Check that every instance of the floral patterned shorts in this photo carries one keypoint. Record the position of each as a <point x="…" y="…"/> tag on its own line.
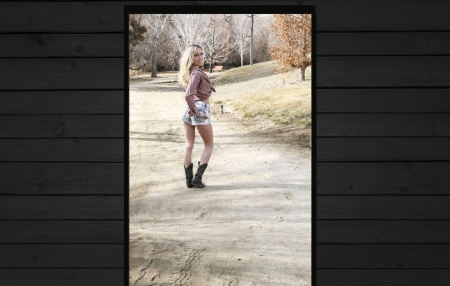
<point x="197" y="120"/>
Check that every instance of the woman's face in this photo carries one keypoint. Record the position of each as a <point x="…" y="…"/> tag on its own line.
<point x="198" y="58"/>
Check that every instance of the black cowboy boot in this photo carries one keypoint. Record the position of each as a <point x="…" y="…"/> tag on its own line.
<point x="189" y="175"/>
<point x="197" y="181"/>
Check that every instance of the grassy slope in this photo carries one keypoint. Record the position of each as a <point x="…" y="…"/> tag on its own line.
<point x="258" y="92"/>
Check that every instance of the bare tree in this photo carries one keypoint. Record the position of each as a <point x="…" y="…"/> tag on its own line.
<point x="139" y="52"/>
<point x="139" y="57"/>
<point x="156" y="24"/>
<point x="187" y="29"/>
<point x="252" y="16"/>
<point x="216" y="44"/>
<point x="136" y="29"/>
<point x="262" y="35"/>
<point x="224" y="39"/>
<point x="240" y="32"/>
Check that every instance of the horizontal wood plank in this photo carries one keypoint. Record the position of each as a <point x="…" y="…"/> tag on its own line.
<point x="51" y="231"/>
<point x="87" y="17"/>
<point x="348" y="15"/>
<point x="62" y="126"/>
<point x="62" y="17"/>
<point x="401" y="43"/>
<point x="62" y="207"/>
<point x="51" y="74"/>
<point x="383" y="71"/>
<point x="383" y="149"/>
<point x="383" y="256"/>
<point x="376" y="277"/>
<point x="62" y="102"/>
<point x="92" y="17"/>
<point x="61" y="45"/>
<point x="383" y="207"/>
<point x="61" y="256"/>
<point x="62" y="150"/>
<point x="348" y="125"/>
<point x="383" y="100"/>
<point x="62" y="277"/>
<point x="382" y="231"/>
<point x="413" y="178"/>
<point x="62" y="179"/>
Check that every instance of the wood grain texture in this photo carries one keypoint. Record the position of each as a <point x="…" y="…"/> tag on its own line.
<point x="62" y="179"/>
<point x="383" y="100"/>
<point x="89" y="17"/>
<point x="383" y="71"/>
<point x="67" y="74"/>
<point x="376" y="277"/>
<point x="391" y="74"/>
<point x="64" y="232"/>
<point x="400" y="44"/>
<point x="61" y="126"/>
<point x="383" y="149"/>
<point x="62" y="150"/>
<point x="382" y="231"/>
<point x="62" y="277"/>
<point x="383" y="125"/>
<point x="346" y="72"/>
<point x="75" y="17"/>
<point x="62" y="207"/>
<point x="367" y="16"/>
<point x="86" y="17"/>
<point x="61" y="45"/>
<point x="383" y="256"/>
<point x="414" y="178"/>
<point x="63" y="102"/>
<point x="61" y="256"/>
<point x="383" y="207"/>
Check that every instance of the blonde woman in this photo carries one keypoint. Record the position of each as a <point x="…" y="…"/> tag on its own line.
<point x="197" y="113"/>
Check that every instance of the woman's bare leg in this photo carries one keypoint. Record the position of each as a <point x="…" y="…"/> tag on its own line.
<point x="206" y="132"/>
<point x="189" y="135"/>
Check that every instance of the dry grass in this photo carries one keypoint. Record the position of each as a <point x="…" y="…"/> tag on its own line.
<point x="258" y="92"/>
<point x="266" y="101"/>
<point x="284" y="105"/>
<point x="245" y="73"/>
<point x="169" y="76"/>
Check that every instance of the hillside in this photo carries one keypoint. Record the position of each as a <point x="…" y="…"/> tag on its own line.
<point x="265" y="100"/>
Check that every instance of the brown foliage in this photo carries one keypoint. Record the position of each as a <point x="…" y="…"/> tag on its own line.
<point x="136" y="30"/>
<point x="293" y="33"/>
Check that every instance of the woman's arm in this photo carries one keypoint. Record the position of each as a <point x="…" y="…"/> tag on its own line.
<point x="191" y="91"/>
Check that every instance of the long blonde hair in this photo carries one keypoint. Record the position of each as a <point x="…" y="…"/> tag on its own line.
<point x="186" y="61"/>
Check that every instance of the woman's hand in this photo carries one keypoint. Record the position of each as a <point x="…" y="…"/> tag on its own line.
<point x="202" y="114"/>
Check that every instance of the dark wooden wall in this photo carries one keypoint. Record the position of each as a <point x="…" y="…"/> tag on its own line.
<point x="62" y="144"/>
<point x="382" y="143"/>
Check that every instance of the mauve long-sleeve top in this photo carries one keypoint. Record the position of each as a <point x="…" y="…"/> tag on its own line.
<point x="198" y="88"/>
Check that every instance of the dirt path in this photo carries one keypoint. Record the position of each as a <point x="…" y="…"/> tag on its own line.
<point x="249" y="226"/>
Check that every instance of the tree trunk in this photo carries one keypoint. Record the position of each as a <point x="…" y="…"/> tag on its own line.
<point x="251" y="43"/>
<point x="155" y="45"/>
<point x="303" y="68"/>
<point x="210" y="65"/>
<point x="154" y="64"/>
<point x="242" y="58"/>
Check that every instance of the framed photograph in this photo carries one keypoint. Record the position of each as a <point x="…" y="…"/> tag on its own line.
<point x="220" y="151"/>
